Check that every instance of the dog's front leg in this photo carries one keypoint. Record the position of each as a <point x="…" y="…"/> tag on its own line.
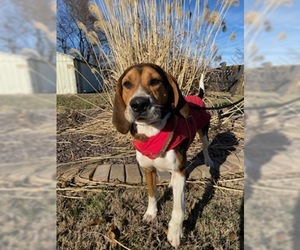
<point x="175" y="224"/>
<point x="152" y="206"/>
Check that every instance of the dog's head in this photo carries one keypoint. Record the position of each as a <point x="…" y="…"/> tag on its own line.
<point x="144" y="93"/>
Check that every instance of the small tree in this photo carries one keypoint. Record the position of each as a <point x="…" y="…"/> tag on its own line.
<point x="32" y="28"/>
<point x="69" y="35"/>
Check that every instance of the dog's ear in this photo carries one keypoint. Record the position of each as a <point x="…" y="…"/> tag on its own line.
<point x="119" y="120"/>
<point x="178" y="102"/>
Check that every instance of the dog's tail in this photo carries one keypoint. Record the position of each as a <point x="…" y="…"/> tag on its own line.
<point x="201" y="86"/>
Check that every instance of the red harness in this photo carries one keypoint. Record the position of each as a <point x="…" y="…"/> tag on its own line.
<point x="175" y="131"/>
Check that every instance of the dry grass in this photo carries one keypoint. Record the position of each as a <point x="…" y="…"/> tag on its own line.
<point x="109" y="218"/>
<point x="27" y="167"/>
<point x="26" y="102"/>
<point x="81" y="101"/>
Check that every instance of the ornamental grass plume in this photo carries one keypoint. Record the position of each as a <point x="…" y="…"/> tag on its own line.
<point x="177" y="35"/>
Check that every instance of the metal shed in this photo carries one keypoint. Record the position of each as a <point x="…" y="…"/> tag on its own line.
<point x="75" y="76"/>
<point x="23" y="75"/>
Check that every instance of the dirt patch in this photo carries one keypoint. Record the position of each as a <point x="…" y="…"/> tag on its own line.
<point x="88" y="134"/>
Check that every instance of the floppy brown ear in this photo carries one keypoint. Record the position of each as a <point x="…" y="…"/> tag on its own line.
<point x="178" y="102"/>
<point x="119" y="120"/>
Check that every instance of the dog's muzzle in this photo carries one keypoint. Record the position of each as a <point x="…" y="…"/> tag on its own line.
<point x="143" y="110"/>
<point x="139" y="105"/>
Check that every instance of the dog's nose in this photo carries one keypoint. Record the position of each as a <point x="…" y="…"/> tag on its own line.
<point x="139" y="104"/>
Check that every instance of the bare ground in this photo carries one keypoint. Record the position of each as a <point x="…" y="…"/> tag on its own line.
<point x="27" y="185"/>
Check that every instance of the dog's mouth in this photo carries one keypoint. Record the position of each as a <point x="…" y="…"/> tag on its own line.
<point x="150" y="115"/>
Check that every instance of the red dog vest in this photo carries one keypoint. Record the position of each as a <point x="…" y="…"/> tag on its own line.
<point x="175" y="131"/>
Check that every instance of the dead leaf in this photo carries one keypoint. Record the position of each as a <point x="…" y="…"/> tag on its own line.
<point x="233" y="237"/>
<point x="111" y="236"/>
<point x="96" y="221"/>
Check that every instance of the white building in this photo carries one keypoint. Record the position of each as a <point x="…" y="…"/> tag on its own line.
<point x="75" y="76"/>
<point x="23" y="75"/>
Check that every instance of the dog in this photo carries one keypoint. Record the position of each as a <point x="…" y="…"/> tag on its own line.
<point x="149" y="104"/>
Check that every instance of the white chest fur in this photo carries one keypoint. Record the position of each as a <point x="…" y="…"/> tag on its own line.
<point x="167" y="163"/>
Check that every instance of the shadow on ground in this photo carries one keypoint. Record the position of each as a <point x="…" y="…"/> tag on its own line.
<point x="222" y="145"/>
<point x="259" y="151"/>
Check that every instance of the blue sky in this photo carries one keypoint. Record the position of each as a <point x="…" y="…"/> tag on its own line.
<point x="235" y="23"/>
<point x="285" y="19"/>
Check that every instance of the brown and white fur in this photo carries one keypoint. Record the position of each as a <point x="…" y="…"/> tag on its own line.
<point x="146" y="96"/>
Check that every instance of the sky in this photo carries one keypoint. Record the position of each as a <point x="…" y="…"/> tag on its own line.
<point x="235" y="23"/>
<point x="284" y="20"/>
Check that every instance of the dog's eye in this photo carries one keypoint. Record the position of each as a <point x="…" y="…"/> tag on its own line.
<point x="127" y="85"/>
<point x="154" y="82"/>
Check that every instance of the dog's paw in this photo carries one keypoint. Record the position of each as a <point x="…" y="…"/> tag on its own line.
<point x="151" y="210"/>
<point x="174" y="235"/>
<point x="149" y="217"/>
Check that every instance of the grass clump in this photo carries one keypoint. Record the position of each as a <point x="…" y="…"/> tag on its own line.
<point x="80" y="101"/>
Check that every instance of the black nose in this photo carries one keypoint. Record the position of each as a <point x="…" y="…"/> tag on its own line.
<point x="139" y="104"/>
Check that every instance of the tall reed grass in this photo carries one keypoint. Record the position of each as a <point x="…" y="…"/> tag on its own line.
<point x="180" y="36"/>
